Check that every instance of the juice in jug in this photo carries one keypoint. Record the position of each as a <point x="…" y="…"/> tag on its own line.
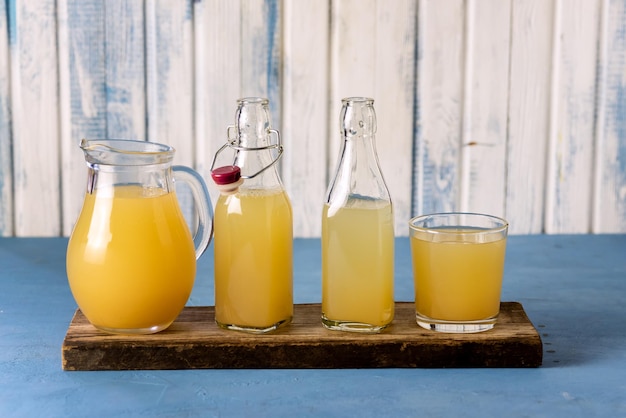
<point x="131" y="249"/>
<point x="253" y="259"/>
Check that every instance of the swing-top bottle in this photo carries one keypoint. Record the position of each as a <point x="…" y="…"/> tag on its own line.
<point x="357" y="230"/>
<point x="253" y="238"/>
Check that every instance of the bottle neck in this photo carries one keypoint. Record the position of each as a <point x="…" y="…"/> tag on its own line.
<point x="257" y="163"/>
<point x="256" y="153"/>
<point x="358" y="174"/>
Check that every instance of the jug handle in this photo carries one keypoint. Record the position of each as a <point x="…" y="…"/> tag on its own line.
<point x="202" y="200"/>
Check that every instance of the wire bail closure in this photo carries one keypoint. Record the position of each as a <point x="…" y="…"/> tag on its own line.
<point x="232" y="143"/>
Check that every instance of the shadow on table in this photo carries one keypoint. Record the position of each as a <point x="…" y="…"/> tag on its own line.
<point x="576" y="336"/>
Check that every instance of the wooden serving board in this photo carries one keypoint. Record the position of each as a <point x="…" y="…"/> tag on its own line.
<point x="194" y="341"/>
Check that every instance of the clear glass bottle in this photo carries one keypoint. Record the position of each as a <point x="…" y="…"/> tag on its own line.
<point x="253" y="233"/>
<point x="357" y="230"/>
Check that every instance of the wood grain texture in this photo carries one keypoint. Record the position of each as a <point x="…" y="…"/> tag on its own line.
<point x="70" y="202"/>
<point x="35" y="119"/>
<point x="170" y="76"/>
<point x="511" y="107"/>
<point x="261" y="56"/>
<point x="125" y="67"/>
<point x="485" y="111"/>
<point x="194" y="341"/>
<point x="439" y="115"/>
<point x="573" y="95"/>
<point x="305" y="110"/>
<point x="529" y="104"/>
<point x="394" y="66"/>
<point x="170" y="86"/>
<point x="352" y="24"/>
<point x="6" y="164"/>
<point x="372" y="55"/>
<point x="217" y="36"/>
<point x="609" y="210"/>
<point x="82" y="83"/>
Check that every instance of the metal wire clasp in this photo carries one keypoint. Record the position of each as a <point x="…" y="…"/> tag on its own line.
<point x="232" y="143"/>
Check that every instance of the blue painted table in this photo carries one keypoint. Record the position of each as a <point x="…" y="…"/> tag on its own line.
<point x="573" y="288"/>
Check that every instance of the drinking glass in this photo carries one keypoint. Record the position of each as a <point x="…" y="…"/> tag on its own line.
<point x="458" y="264"/>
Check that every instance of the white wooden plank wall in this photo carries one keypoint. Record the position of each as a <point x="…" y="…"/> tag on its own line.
<point x="6" y="166"/>
<point x="511" y="107"/>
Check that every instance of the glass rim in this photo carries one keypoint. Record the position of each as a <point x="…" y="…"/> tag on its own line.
<point x="126" y="152"/>
<point x="357" y="99"/>
<point x="504" y="224"/>
<point x="253" y="100"/>
<point x="126" y="146"/>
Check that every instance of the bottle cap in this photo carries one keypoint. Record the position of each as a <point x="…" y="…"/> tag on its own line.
<point x="227" y="178"/>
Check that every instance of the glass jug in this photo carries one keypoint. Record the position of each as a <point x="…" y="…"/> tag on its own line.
<point x="357" y="230"/>
<point x="131" y="259"/>
<point x="253" y="227"/>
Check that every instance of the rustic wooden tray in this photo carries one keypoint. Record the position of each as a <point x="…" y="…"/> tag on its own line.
<point x="193" y="341"/>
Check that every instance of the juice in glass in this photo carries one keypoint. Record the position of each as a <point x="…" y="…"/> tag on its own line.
<point x="131" y="261"/>
<point x="253" y="260"/>
<point x="357" y="264"/>
<point x="458" y="273"/>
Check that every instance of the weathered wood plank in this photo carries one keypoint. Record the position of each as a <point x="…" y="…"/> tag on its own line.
<point x="82" y="99"/>
<point x="261" y="53"/>
<point x="125" y="67"/>
<point x="529" y="98"/>
<point x="71" y="193"/>
<point x="394" y="67"/>
<point x="217" y="36"/>
<point x="105" y="79"/>
<point x="6" y="164"/>
<point x="171" y="71"/>
<point x="372" y="55"/>
<point x="305" y="110"/>
<point x="35" y="119"/>
<point x="353" y="24"/>
<point x="170" y="85"/>
<point x="194" y="341"/>
<point x="573" y="95"/>
<point x="439" y="113"/>
<point x="170" y="76"/>
<point x="485" y="111"/>
<point x="609" y="208"/>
